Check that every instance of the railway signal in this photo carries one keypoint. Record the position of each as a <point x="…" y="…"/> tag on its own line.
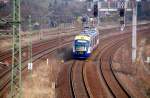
<point x="85" y="21"/>
<point x="121" y="6"/>
<point x="124" y="6"/>
<point x="122" y="18"/>
<point x="122" y="12"/>
<point x="95" y="12"/>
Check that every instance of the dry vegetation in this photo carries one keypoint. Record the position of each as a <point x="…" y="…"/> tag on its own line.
<point x="39" y="83"/>
<point x="136" y="76"/>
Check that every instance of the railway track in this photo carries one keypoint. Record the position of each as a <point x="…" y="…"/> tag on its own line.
<point x="106" y="74"/>
<point x="45" y="33"/>
<point x="79" y="86"/>
<point x="37" y="48"/>
<point x="96" y="88"/>
<point x="5" y="78"/>
<point x="77" y="83"/>
<point x="99" y="78"/>
<point x="38" y="52"/>
<point x="113" y="85"/>
<point x="7" y="54"/>
<point x="109" y="51"/>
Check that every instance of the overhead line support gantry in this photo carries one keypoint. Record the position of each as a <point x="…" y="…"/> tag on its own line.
<point x="16" y="81"/>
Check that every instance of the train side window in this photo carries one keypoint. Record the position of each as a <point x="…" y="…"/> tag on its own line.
<point x="91" y="43"/>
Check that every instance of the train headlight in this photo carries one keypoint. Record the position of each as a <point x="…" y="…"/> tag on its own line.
<point x="73" y="49"/>
<point x="89" y="50"/>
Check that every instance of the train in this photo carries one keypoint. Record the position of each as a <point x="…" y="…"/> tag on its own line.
<point x="84" y="43"/>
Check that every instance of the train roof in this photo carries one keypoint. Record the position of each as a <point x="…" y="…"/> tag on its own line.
<point x="82" y="37"/>
<point x="87" y="34"/>
<point x="90" y="32"/>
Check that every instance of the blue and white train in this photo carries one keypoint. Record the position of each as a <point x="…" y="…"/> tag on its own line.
<point x="85" y="43"/>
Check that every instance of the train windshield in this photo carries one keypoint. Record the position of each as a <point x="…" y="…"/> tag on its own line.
<point x="81" y="45"/>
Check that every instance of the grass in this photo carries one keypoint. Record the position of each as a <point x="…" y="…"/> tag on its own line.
<point x="38" y="85"/>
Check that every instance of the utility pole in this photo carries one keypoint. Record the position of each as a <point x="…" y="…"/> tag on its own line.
<point x="134" y="31"/>
<point x="30" y="45"/>
<point x="16" y="81"/>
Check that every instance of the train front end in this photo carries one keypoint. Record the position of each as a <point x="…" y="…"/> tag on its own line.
<point x="81" y="47"/>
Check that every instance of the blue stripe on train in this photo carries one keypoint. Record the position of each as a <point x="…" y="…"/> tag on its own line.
<point x="85" y="55"/>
